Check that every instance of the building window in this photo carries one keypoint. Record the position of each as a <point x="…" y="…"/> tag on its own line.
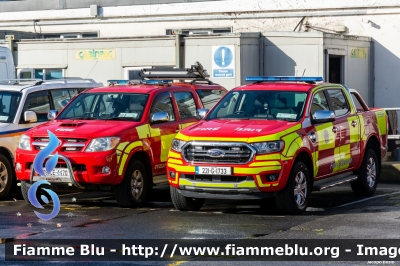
<point x="70" y="35"/>
<point x="47" y="74"/>
<point x="90" y="35"/>
<point x="189" y="32"/>
<point x="53" y="74"/>
<point x="43" y="74"/>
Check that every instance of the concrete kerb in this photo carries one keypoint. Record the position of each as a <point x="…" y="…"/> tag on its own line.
<point x="390" y="172"/>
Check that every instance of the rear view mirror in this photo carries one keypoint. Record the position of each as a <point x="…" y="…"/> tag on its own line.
<point x="30" y="117"/>
<point x="323" y="116"/>
<point x="51" y="115"/>
<point x="201" y="113"/>
<point x="159" y="117"/>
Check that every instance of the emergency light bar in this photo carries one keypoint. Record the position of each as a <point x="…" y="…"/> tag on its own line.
<point x="137" y="82"/>
<point x="155" y="82"/>
<point x="118" y="81"/>
<point x="284" y="78"/>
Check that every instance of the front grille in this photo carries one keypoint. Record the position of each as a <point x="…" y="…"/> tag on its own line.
<point x="218" y="152"/>
<point x="217" y="178"/>
<point x="69" y="144"/>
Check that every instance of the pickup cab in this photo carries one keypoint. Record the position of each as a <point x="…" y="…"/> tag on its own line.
<point x="115" y="137"/>
<point x="277" y="140"/>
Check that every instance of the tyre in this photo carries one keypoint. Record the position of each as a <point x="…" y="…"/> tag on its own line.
<point x="24" y="190"/>
<point x="25" y="186"/>
<point x="183" y="203"/>
<point x="133" y="190"/>
<point x="6" y="176"/>
<point x="368" y="175"/>
<point x="293" y="199"/>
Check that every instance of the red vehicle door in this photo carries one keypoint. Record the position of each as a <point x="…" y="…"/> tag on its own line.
<point x="347" y="128"/>
<point x="325" y="138"/>
<point x="162" y="133"/>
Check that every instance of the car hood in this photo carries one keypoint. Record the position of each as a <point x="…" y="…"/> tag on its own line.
<point x="239" y="129"/>
<point x="82" y="128"/>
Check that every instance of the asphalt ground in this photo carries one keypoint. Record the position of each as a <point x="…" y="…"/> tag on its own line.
<point x="332" y="214"/>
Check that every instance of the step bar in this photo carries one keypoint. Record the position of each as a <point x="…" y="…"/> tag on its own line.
<point x="333" y="181"/>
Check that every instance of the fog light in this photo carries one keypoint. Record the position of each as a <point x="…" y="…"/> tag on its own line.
<point x="273" y="177"/>
<point x="18" y="166"/>
<point x="171" y="174"/>
<point x="105" y="170"/>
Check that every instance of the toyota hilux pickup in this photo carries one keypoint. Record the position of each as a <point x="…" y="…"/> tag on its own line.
<point x="24" y="104"/>
<point x="115" y="137"/>
<point x="279" y="138"/>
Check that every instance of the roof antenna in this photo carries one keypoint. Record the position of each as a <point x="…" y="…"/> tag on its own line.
<point x="83" y="81"/>
<point x="304" y="72"/>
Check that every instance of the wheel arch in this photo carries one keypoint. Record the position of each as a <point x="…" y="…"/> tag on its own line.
<point x="305" y="157"/>
<point x="374" y="144"/>
<point x="143" y="157"/>
<point x="6" y="152"/>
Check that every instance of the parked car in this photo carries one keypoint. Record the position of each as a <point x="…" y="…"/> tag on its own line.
<point x="279" y="138"/>
<point x="118" y="137"/>
<point x="24" y="104"/>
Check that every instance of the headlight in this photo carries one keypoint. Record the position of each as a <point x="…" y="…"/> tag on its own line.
<point x="177" y="145"/>
<point x="102" y="144"/>
<point x="268" y="147"/>
<point x="25" y="143"/>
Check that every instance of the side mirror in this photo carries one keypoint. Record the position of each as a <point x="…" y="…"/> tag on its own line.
<point x="201" y="113"/>
<point x="323" y="116"/>
<point x="51" y="115"/>
<point x="159" y="117"/>
<point x="30" y="117"/>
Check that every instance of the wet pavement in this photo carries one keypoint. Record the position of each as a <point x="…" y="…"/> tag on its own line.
<point x="334" y="213"/>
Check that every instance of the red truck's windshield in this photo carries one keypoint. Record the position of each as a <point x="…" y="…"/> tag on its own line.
<point x="271" y="105"/>
<point x="106" y="106"/>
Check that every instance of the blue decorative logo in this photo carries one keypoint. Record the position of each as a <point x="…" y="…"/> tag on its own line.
<point x="43" y="154"/>
<point x="38" y="168"/>
<point x="34" y="201"/>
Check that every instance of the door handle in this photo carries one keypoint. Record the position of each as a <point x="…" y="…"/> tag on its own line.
<point x="335" y="129"/>
<point x="354" y="123"/>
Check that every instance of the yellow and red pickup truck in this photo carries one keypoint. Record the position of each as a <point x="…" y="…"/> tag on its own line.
<point x="279" y="138"/>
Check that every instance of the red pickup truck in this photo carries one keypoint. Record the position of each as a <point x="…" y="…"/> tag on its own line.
<point x="279" y="138"/>
<point x="118" y="136"/>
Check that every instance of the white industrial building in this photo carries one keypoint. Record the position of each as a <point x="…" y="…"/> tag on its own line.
<point x="358" y="40"/>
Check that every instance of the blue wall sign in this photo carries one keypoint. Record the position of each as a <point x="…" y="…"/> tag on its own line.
<point x="223" y="61"/>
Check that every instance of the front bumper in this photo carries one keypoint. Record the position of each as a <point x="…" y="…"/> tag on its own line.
<point x="86" y="167"/>
<point x="246" y="179"/>
<point x="229" y="194"/>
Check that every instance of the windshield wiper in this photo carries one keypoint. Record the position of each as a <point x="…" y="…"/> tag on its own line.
<point x="288" y="119"/>
<point x="83" y="118"/>
<point x="230" y="118"/>
<point x="120" y="118"/>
